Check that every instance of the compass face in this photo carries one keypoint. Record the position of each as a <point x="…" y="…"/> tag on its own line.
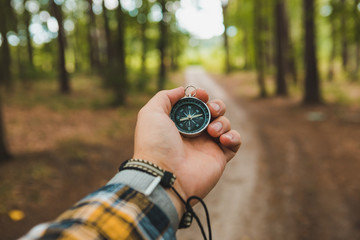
<point x="190" y="115"/>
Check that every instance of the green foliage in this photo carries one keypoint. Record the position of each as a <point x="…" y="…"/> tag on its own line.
<point x="182" y="49"/>
<point x="338" y="93"/>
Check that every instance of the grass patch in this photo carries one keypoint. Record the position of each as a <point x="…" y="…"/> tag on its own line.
<point x="86" y="93"/>
<point x="342" y="93"/>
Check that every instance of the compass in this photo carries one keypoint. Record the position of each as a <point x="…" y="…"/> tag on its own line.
<point x="190" y="115"/>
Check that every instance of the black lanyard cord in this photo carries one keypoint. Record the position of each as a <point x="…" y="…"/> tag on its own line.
<point x="192" y="212"/>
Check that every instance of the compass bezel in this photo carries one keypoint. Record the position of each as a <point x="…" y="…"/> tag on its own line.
<point x="189" y="100"/>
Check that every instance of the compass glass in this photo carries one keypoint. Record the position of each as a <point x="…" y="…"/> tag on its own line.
<point x="190" y="115"/>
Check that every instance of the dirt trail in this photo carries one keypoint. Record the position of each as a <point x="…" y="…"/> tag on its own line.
<point x="295" y="177"/>
<point x="229" y="202"/>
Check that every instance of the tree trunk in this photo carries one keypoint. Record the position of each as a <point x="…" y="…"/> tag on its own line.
<point x="268" y="36"/>
<point x="5" y="61"/>
<point x="226" y="39"/>
<point x="21" y="72"/>
<point x="247" y="64"/>
<point x="330" y="75"/>
<point x="312" y="85"/>
<point x="281" y="44"/>
<point x="142" y="20"/>
<point x="175" y="52"/>
<point x="29" y="42"/>
<point x="4" y="152"/>
<point x="344" y="40"/>
<point x="76" y="52"/>
<point x="357" y="39"/>
<point x="259" y="52"/>
<point x="144" y="48"/>
<point x="78" y="42"/>
<point x="64" y="83"/>
<point x="92" y="36"/>
<point x="109" y="47"/>
<point x="162" y="46"/>
<point x="5" y="73"/>
<point x="5" y="77"/>
<point x="120" y="68"/>
<point x="290" y="62"/>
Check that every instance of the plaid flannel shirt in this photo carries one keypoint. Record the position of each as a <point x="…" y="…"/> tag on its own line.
<point x="115" y="211"/>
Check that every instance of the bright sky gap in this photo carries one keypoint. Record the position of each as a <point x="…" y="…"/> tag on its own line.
<point x="203" y="19"/>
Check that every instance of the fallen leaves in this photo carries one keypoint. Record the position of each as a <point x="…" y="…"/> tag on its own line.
<point x="16" y="215"/>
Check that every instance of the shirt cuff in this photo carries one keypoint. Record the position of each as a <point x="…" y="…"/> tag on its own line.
<point x="140" y="181"/>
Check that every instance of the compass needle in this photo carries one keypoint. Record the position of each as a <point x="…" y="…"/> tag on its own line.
<point x="197" y="115"/>
<point x="184" y="119"/>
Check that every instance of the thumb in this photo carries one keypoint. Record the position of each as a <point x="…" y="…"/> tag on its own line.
<point x="166" y="99"/>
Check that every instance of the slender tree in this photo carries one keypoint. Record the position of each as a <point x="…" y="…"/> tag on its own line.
<point x="281" y="48"/>
<point x="4" y="152"/>
<point x="290" y="52"/>
<point x="268" y="35"/>
<point x="120" y="84"/>
<point x="357" y="39"/>
<point x="259" y="47"/>
<point x="312" y="84"/>
<point x="225" y="4"/>
<point x="27" y="18"/>
<point x="334" y="40"/>
<point x="176" y="48"/>
<point x="5" y="73"/>
<point x="64" y="82"/>
<point x="142" y="20"/>
<point x="344" y="38"/>
<point x="144" y="47"/>
<point x="246" y="44"/>
<point x="92" y="38"/>
<point x="5" y="57"/>
<point x="109" y="45"/>
<point x="162" y="46"/>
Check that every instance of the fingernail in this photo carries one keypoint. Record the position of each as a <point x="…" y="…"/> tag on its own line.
<point x="217" y="126"/>
<point x="215" y="106"/>
<point x="228" y="136"/>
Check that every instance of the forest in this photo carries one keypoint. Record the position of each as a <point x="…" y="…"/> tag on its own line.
<point x="131" y="43"/>
<point x="122" y="51"/>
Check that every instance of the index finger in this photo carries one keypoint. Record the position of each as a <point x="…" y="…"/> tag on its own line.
<point x="202" y="95"/>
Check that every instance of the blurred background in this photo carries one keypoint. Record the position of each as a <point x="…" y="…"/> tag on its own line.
<point x="74" y="73"/>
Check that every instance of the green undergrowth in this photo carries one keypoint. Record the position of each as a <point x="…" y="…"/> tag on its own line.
<point x="88" y="92"/>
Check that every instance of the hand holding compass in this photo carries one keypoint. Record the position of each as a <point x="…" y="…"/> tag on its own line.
<point x="197" y="162"/>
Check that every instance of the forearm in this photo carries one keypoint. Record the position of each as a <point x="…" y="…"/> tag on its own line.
<point x="115" y="211"/>
<point x="165" y="199"/>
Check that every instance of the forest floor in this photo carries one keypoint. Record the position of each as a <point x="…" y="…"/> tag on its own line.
<point x="308" y="168"/>
<point x="64" y="147"/>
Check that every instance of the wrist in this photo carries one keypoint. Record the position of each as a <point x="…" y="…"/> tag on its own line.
<point x="161" y="177"/>
<point x="161" y="197"/>
<point x="163" y="165"/>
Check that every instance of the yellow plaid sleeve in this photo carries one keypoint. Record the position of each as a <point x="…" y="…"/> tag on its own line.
<point x="114" y="211"/>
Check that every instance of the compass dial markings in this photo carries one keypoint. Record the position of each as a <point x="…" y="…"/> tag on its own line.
<point x="190" y="115"/>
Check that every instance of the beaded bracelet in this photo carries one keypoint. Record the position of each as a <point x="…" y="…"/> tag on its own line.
<point x="167" y="178"/>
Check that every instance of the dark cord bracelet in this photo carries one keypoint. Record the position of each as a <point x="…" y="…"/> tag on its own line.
<point x="167" y="178"/>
